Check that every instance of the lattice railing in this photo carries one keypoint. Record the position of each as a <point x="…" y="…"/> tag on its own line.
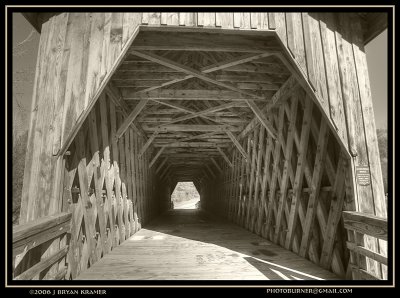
<point x="291" y="190"/>
<point x="360" y="225"/>
<point x="39" y="235"/>
<point x="105" y="186"/>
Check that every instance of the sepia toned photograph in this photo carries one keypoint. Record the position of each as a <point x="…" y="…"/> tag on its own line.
<point x="247" y="145"/>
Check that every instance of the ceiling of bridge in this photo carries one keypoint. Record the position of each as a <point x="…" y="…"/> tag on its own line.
<point x="197" y="92"/>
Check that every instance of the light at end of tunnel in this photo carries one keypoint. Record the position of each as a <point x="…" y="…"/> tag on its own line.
<point x="185" y="196"/>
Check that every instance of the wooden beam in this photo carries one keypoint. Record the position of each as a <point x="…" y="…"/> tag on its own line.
<point x="181" y="108"/>
<point x="234" y="61"/>
<point x="282" y="94"/>
<point x="148" y="143"/>
<point x="363" y="274"/>
<point x="187" y="94"/>
<point x="192" y="127"/>
<point x="192" y="145"/>
<point x="215" y="42"/>
<point x="366" y="252"/>
<point x="205" y="112"/>
<point x="287" y="167"/>
<point x="161" y="164"/>
<point x="121" y="104"/>
<point x="261" y="117"/>
<point x="131" y="117"/>
<point x="335" y="213"/>
<point x="42" y="265"/>
<point x="201" y="136"/>
<point x="210" y="170"/>
<point x="209" y="69"/>
<point x="156" y="157"/>
<point x="31" y="234"/>
<point x="193" y="72"/>
<point x="225" y="157"/>
<point x="216" y="164"/>
<point x="301" y="161"/>
<point x="315" y="188"/>
<point x="104" y="82"/>
<point x="366" y="224"/>
<point x="165" y="170"/>
<point x="237" y="144"/>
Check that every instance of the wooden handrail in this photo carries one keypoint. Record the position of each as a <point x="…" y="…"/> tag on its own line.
<point x="366" y="224"/>
<point x="370" y="225"/>
<point x="43" y="264"/>
<point x="366" y="252"/>
<point x="34" y="233"/>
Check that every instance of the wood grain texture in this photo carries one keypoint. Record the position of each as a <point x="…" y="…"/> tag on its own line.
<point x="204" y="255"/>
<point x="201" y="87"/>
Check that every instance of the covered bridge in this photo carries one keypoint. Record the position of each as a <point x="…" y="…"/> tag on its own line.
<point x="268" y="113"/>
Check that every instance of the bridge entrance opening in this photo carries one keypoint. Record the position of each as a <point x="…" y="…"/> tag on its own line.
<point x="185" y="196"/>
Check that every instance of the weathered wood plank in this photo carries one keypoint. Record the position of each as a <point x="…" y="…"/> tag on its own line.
<point x="287" y="163"/>
<point x="369" y="121"/>
<point x="366" y="224"/>
<point x="34" y="233"/>
<point x="122" y="162"/>
<point x="256" y="205"/>
<point x="169" y="18"/>
<point x="241" y="20"/>
<point x="42" y="265"/>
<point x="86" y="206"/>
<point x="261" y="117"/>
<point x="95" y="56"/>
<point x="355" y="124"/>
<point x="237" y="144"/>
<point x="274" y="178"/>
<point x="43" y="107"/>
<point x="366" y="252"/>
<point x="296" y="39"/>
<point x="151" y="18"/>
<point x="216" y="165"/>
<point x="30" y="161"/>
<point x="321" y="81"/>
<point x="112" y="196"/>
<point x="128" y="179"/>
<point x="131" y="117"/>
<point x="335" y="213"/>
<point x="61" y="85"/>
<point x="224" y="20"/>
<point x="187" y="18"/>
<point x="97" y="173"/>
<point x="254" y="145"/>
<point x="328" y="28"/>
<point x="50" y="173"/>
<point x="159" y="40"/>
<point x="133" y="159"/>
<point x="224" y="156"/>
<point x="315" y="187"/>
<point x="207" y="19"/>
<point x="70" y="135"/>
<point x="298" y="181"/>
<point x="255" y="19"/>
<point x="130" y="22"/>
<point x="280" y="26"/>
<point x="157" y="156"/>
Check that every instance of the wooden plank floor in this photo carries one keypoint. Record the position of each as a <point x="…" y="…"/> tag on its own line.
<point x="191" y="245"/>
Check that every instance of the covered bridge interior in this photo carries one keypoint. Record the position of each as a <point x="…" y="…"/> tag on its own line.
<point x="264" y="112"/>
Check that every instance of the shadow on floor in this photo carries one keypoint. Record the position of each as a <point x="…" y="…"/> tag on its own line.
<point x="273" y="261"/>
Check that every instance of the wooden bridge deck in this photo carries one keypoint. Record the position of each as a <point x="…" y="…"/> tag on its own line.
<point x="191" y="245"/>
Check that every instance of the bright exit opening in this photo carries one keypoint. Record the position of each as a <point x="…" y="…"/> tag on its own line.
<point x="185" y="196"/>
